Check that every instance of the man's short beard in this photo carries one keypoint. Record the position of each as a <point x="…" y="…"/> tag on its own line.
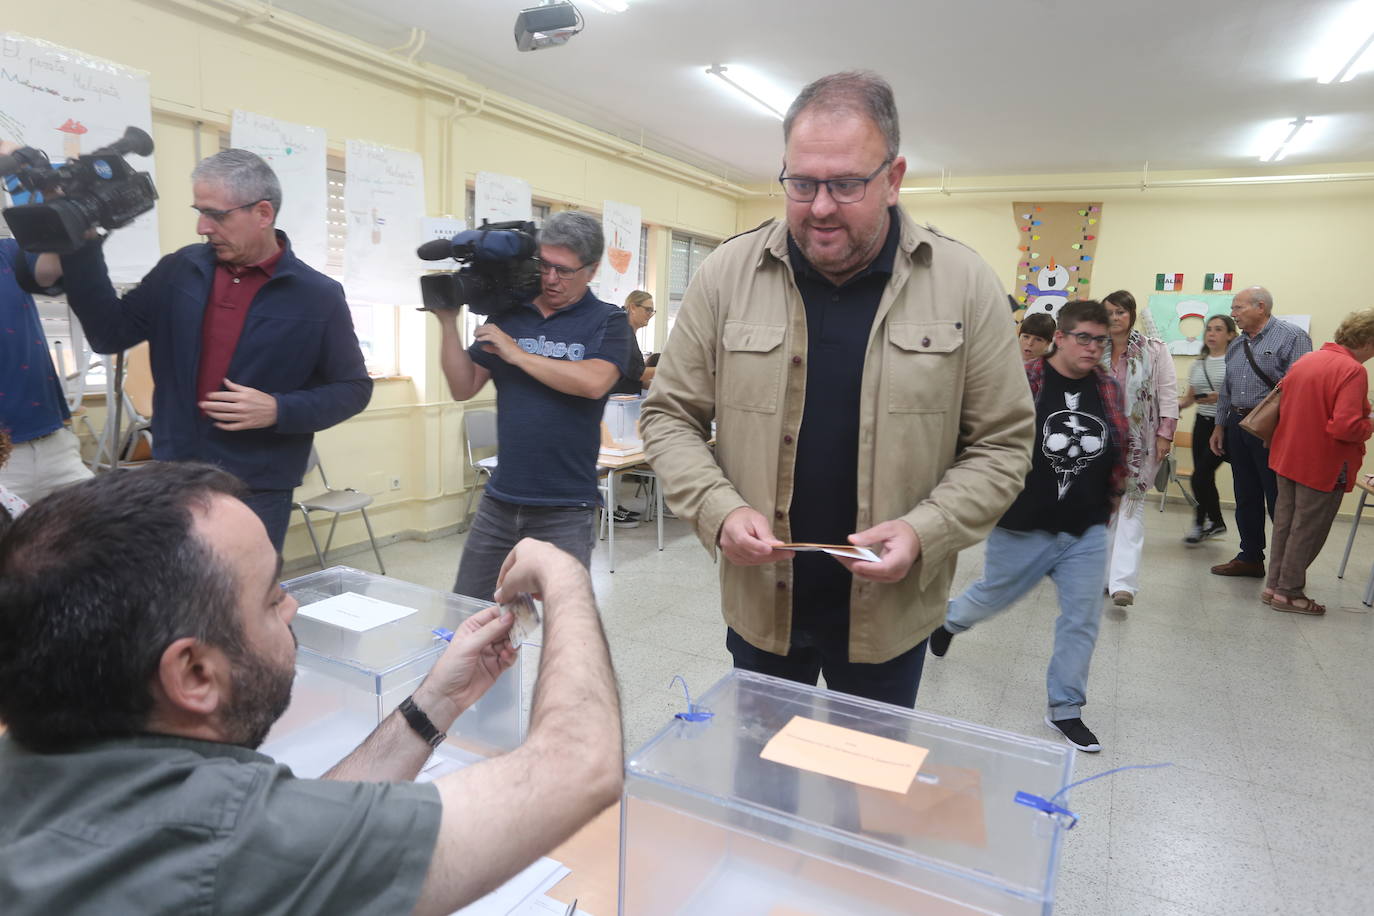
<point x="261" y="693"/>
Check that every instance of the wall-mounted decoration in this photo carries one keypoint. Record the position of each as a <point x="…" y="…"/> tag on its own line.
<point x="1216" y="283"/>
<point x="1169" y="283"/>
<point x="1056" y="253"/>
<point x="385" y="199"/>
<point x="1180" y="319"/>
<point x="297" y="154"/>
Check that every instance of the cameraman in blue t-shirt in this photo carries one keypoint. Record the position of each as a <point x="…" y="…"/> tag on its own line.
<point x="553" y="361"/>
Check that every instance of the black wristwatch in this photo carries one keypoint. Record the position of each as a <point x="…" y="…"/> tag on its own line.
<point x="420" y="722"/>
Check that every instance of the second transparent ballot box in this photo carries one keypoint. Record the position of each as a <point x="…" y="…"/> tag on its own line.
<point x="348" y="679"/>
<point x="709" y="826"/>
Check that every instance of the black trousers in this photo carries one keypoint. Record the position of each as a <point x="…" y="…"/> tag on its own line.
<point x="1205" y="464"/>
<point x="1257" y="489"/>
<point x="894" y="681"/>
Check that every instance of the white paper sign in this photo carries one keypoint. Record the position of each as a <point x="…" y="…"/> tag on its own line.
<point x="619" y="273"/>
<point x="385" y="199"/>
<point x="355" y="612"/>
<point x="297" y="153"/>
<point x="1302" y="321"/>
<point x="499" y="198"/>
<point x="66" y="103"/>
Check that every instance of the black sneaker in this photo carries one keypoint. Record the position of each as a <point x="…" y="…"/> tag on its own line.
<point x="623" y="519"/>
<point x="939" y="641"/>
<point x="1195" y="535"/>
<point x="1076" y="733"/>
<point x="627" y="513"/>
<point x="1214" y="531"/>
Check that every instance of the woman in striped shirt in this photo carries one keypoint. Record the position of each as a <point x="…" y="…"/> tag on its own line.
<point x="1204" y="384"/>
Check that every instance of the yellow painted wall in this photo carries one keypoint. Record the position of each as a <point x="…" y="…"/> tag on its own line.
<point x="203" y="64"/>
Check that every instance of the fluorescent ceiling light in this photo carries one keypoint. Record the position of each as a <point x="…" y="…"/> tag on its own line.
<point x="1348" y="49"/>
<point x="1281" y="138"/>
<point x="753" y="86"/>
<point x="608" y="6"/>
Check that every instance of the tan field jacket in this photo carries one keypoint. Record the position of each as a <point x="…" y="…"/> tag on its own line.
<point x="944" y="438"/>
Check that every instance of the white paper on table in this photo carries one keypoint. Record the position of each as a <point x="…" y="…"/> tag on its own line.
<point x="513" y="896"/>
<point x="355" y="612"/>
<point x="547" y="906"/>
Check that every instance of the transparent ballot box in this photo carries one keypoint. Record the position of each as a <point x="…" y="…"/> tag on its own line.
<point x="620" y="425"/>
<point x="708" y="826"/>
<point x="348" y="680"/>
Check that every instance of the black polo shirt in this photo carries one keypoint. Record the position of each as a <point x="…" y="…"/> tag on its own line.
<point x="825" y="501"/>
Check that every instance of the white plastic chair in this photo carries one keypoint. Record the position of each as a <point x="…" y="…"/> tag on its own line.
<point x="337" y="502"/>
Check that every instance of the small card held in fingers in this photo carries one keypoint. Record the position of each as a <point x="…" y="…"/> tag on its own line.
<point x="527" y="619"/>
<point x="835" y="550"/>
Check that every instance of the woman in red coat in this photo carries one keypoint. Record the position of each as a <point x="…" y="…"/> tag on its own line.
<point x="1317" y="451"/>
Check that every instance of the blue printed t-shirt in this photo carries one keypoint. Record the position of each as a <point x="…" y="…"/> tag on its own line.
<point x="549" y="440"/>
<point x="31" y="401"/>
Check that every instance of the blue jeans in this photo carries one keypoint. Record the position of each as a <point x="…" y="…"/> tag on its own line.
<point x="1015" y="563"/>
<point x="274" y="508"/>
<point x="1257" y="489"/>
<point x="498" y="526"/>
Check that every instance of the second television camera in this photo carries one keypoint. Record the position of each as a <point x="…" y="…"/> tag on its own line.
<point x="498" y="273"/>
<point x="98" y="189"/>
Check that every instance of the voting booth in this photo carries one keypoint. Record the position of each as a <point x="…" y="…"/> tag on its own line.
<point x="365" y="643"/>
<point x="779" y="799"/>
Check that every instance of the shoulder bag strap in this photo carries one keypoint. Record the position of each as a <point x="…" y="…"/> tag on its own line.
<point x="1254" y="365"/>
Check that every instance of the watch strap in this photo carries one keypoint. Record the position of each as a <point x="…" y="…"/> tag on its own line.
<point x="421" y="723"/>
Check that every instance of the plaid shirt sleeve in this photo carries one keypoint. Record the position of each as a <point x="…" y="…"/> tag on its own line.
<point x="1109" y="390"/>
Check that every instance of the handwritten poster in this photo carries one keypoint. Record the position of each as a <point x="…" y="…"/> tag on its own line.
<point x="619" y="273"/>
<point x="66" y="103"/>
<point x="297" y="154"/>
<point x="500" y="198"/>
<point x="385" y="200"/>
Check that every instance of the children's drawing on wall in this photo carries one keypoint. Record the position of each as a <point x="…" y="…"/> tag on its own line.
<point x="1056" y="251"/>
<point x="1180" y="318"/>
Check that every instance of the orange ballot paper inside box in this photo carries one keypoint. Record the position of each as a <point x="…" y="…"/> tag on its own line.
<point x="844" y="753"/>
<point x="835" y="550"/>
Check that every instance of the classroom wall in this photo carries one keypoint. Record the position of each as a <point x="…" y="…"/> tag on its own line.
<point x="205" y="60"/>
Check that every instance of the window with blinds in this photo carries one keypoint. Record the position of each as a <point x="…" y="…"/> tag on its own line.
<point x="685" y="255"/>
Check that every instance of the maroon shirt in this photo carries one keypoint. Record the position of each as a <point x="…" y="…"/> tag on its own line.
<point x="230" y="297"/>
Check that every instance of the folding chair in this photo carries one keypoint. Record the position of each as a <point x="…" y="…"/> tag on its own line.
<point x="479" y="428"/>
<point x="337" y="502"/>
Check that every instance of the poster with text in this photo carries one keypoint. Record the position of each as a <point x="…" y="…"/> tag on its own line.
<point x="499" y="198"/>
<point x="1056" y="252"/>
<point x="619" y="273"/>
<point x="66" y="104"/>
<point x="297" y="153"/>
<point x="385" y="199"/>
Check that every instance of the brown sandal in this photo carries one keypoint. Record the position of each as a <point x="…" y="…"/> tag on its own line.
<point x="1299" y="604"/>
<point x="1267" y="597"/>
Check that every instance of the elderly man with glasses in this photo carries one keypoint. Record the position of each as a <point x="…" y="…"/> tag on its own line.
<point x="553" y="361"/>
<point x="253" y="351"/>
<point x="866" y="389"/>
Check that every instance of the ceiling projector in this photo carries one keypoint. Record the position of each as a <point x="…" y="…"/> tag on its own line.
<point x="546" y="26"/>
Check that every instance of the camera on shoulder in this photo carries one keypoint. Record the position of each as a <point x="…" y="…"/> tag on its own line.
<point x="97" y="189"/>
<point x="499" y="271"/>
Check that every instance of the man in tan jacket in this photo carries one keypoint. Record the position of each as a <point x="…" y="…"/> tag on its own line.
<point x="865" y="381"/>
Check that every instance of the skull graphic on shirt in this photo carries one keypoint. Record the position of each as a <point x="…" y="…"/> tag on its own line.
<point x="1071" y="439"/>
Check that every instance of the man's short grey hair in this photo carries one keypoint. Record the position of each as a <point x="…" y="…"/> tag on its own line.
<point x="861" y="92"/>
<point x="244" y="175"/>
<point x="1262" y="297"/>
<point x="576" y="231"/>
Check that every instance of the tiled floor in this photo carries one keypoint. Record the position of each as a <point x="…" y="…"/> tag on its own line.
<point x="1269" y="807"/>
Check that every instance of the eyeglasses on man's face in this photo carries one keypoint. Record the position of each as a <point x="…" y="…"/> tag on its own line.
<point x="1087" y="340"/>
<point x="564" y="273"/>
<point x="646" y="309"/>
<point x="219" y="216"/>
<point x="841" y="190"/>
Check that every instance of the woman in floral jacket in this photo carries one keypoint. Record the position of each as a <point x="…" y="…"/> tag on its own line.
<point x="1145" y="370"/>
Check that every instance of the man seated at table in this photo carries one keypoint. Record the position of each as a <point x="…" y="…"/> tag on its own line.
<point x="145" y="651"/>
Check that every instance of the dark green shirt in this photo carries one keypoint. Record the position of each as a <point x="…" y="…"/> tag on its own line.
<point x="157" y="824"/>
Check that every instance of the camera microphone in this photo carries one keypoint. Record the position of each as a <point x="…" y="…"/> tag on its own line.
<point x="435" y="250"/>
